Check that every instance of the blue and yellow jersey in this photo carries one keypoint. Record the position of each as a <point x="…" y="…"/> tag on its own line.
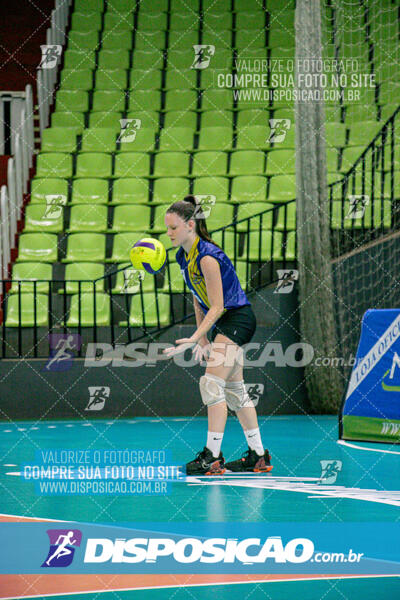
<point x="234" y="296"/>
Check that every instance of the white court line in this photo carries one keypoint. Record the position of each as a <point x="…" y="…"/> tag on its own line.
<point x="344" y="443"/>
<point x="185" y="585"/>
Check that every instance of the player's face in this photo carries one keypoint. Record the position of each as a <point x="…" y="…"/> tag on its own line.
<point x="177" y="229"/>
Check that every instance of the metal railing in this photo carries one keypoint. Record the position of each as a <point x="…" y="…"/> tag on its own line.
<point x="364" y="204"/>
<point x="121" y="312"/>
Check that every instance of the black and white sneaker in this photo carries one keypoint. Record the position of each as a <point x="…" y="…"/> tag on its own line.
<point x="251" y="462"/>
<point x="206" y="464"/>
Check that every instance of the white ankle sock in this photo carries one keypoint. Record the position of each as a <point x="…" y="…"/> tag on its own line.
<point x="214" y="441"/>
<point x="253" y="439"/>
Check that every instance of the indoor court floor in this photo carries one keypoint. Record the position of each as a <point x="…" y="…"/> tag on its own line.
<point x="365" y="486"/>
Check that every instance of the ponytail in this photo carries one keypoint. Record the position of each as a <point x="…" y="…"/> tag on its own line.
<point x="189" y="208"/>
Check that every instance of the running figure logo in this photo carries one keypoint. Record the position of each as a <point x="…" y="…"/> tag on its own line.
<point x="129" y="129"/>
<point x="203" y="54"/>
<point x="255" y="391"/>
<point x="54" y="204"/>
<point x="287" y="277"/>
<point x="98" y="397"/>
<point x="204" y="205"/>
<point x="61" y="351"/>
<point x="358" y="204"/>
<point x="330" y="470"/>
<point x="50" y="56"/>
<point x="62" y="547"/>
<point x="279" y="129"/>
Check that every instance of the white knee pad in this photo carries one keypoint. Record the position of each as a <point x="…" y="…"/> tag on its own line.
<point x="212" y="389"/>
<point x="237" y="396"/>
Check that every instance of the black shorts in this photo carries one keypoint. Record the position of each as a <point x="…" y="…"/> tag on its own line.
<point x="238" y="324"/>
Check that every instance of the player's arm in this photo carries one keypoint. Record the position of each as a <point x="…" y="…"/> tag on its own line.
<point x="212" y="276"/>
<point x="199" y="314"/>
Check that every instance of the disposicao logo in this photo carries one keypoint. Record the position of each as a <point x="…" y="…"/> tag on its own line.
<point x="62" y="547"/>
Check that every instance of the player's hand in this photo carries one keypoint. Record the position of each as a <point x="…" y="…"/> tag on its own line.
<point x="181" y="345"/>
<point x="202" y="350"/>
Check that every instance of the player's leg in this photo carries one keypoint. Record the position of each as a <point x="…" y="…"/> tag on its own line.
<point x="257" y="458"/>
<point x="212" y="385"/>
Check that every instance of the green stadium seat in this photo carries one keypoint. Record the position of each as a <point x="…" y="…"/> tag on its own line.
<point x="266" y="247"/>
<point x="76" y="79"/>
<point x="54" y="165"/>
<point x="176" y="138"/>
<point x="387" y="159"/>
<point x="216" y="22"/>
<point x="281" y="37"/>
<point x="387" y="111"/>
<point x="380" y="218"/>
<point x="171" y="162"/>
<point x="148" y="118"/>
<point x="86" y="247"/>
<point x="220" y="214"/>
<point x="122" y="244"/>
<point x="289" y="248"/>
<point x="335" y="135"/>
<point x="363" y="132"/>
<point x="27" y="273"/>
<point x="40" y="188"/>
<point x="249" y="188"/>
<point x="119" y="6"/>
<point x="120" y="39"/>
<point x="90" y="191"/>
<point x="159" y="215"/>
<point x="223" y="37"/>
<point x="170" y="189"/>
<point x="332" y="160"/>
<point x="130" y="191"/>
<point x="247" y="21"/>
<point x="83" y="6"/>
<point x="216" y="118"/>
<point x="209" y="163"/>
<point x="93" y="164"/>
<point x="146" y="80"/>
<point x="79" y="59"/>
<point x="89" y="315"/>
<point x="132" y="164"/>
<point x="127" y="283"/>
<point x="83" y="40"/>
<point x="184" y="21"/>
<point x="226" y="240"/>
<point x="148" y="59"/>
<point x="286" y="217"/>
<point x="98" y="139"/>
<point x="43" y="218"/>
<point x="173" y="281"/>
<point x="140" y="100"/>
<point x="131" y="217"/>
<point x="350" y="155"/>
<point x="182" y="40"/>
<point x="214" y="99"/>
<point x="153" y="21"/>
<point x="21" y="310"/>
<point x="149" y="40"/>
<point x="359" y="112"/>
<point x="113" y="59"/>
<point x="215" y="138"/>
<point x="280" y="162"/>
<point x="88" y="217"/>
<point x="250" y="40"/>
<point x="184" y="79"/>
<point x="181" y="118"/>
<point x="210" y="77"/>
<point x="246" y="210"/>
<point x="86" y="273"/>
<point x="243" y="271"/>
<point x="58" y="139"/>
<point x="111" y="79"/>
<point x="253" y="6"/>
<point x="150" y="317"/>
<point x="69" y="119"/>
<point x="222" y="6"/>
<point x="144" y="141"/>
<point x="180" y="59"/>
<point x="72" y="100"/>
<point x="252" y="137"/>
<point x="108" y="100"/>
<point x="282" y="188"/>
<point x="218" y="186"/>
<point x="87" y="21"/>
<point x="247" y="162"/>
<point x="118" y="21"/>
<point x="252" y="116"/>
<point x="37" y="247"/>
<point x="105" y="120"/>
<point x="181" y="100"/>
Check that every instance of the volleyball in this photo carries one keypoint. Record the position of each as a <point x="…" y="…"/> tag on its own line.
<point x="148" y="254"/>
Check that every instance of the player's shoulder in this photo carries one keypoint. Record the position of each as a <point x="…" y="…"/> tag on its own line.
<point x="206" y="248"/>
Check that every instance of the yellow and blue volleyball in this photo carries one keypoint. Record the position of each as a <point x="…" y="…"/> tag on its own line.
<point x="148" y="254"/>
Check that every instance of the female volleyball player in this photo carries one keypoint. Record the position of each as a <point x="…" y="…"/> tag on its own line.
<point x="221" y="305"/>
